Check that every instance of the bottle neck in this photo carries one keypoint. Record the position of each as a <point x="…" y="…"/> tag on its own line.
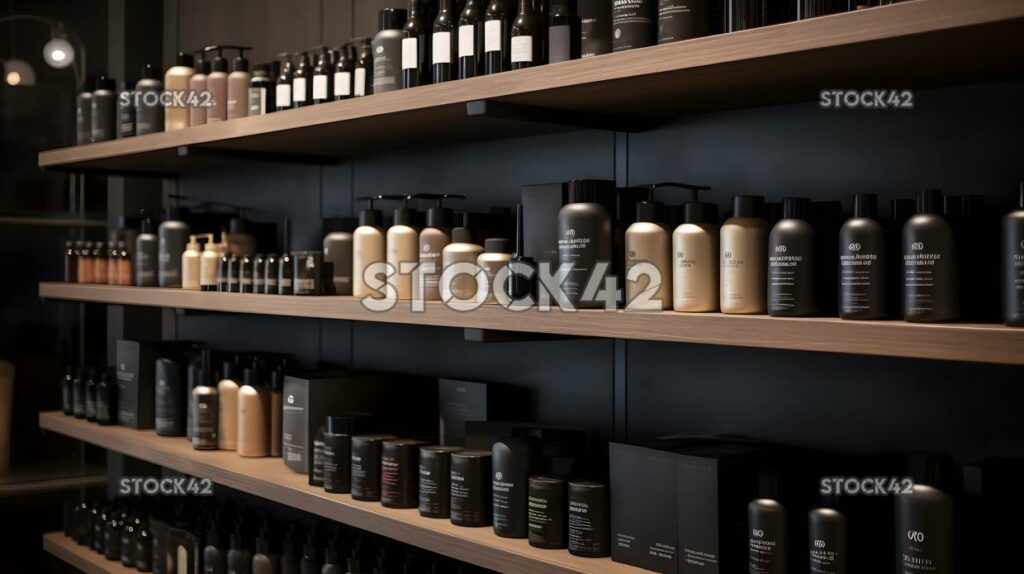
<point x="445" y="6"/>
<point x="525" y="7"/>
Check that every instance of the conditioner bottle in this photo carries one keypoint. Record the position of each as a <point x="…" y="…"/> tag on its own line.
<point x="744" y="242"/>
<point x="695" y="252"/>
<point x="791" y="262"/>
<point x="460" y="287"/>
<point x="402" y="249"/>
<point x="176" y="81"/>
<point x="648" y="261"/>
<point x="930" y="290"/>
<point x="862" y="262"/>
<point x="368" y="249"/>
<point x="827" y="541"/>
<point x="1013" y="264"/>
<point x="924" y="521"/>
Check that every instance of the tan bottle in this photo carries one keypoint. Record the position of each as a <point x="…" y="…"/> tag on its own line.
<point x="695" y="259"/>
<point x="209" y="262"/>
<point x="190" y="262"/>
<point x="197" y="85"/>
<point x="403" y="243"/>
<point x="253" y="415"/>
<point x="227" y="416"/>
<point x="460" y="250"/>
<point x="648" y="242"/>
<point x="176" y="84"/>
<point x="217" y="84"/>
<point x="368" y="248"/>
<point x="497" y="253"/>
<point x="433" y="239"/>
<point x="743" y="251"/>
<point x="238" y="86"/>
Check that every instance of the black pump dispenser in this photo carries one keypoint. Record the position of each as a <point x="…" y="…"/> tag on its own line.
<point x="369" y="216"/>
<point x="219" y="63"/>
<point x="462" y="234"/>
<point x="403" y="213"/>
<point x="748" y="206"/>
<point x="649" y="210"/>
<point x="202" y="64"/>
<point x="439" y="216"/>
<point x="147" y="222"/>
<point x="518" y="286"/>
<point x="795" y="207"/>
<point x="240" y="63"/>
<point x="865" y="205"/>
<point x="180" y="59"/>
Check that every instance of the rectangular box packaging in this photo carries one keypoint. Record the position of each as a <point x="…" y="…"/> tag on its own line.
<point x="136" y="379"/>
<point x="459" y="402"/>
<point x="397" y="404"/>
<point x="643" y="507"/>
<point x="541" y="203"/>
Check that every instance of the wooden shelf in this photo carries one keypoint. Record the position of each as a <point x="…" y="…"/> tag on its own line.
<point x="269" y="478"/>
<point x="81" y="557"/>
<point x="918" y="43"/>
<point x="985" y="343"/>
<point x="52" y="479"/>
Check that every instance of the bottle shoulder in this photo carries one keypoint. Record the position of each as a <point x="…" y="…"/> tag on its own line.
<point x="646" y="228"/>
<point x="862" y="224"/>
<point x="583" y="209"/>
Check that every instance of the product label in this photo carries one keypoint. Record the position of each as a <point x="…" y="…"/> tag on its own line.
<point x="492" y="36"/>
<point x="539" y="519"/>
<point x="501" y="493"/>
<point x="342" y="83"/>
<point x="318" y="461"/>
<point x="304" y="286"/>
<point x="559" y="44"/>
<point x="462" y="500"/>
<point x="257" y="101"/>
<point x="299" y="90"/>
<point x="360" y="82"/>
<point x="763" y="548"/>
<point x="429" y="503"/>
<point x="921" y="270"/>
<point x="784" y="274"/>
<point x="825" y="560"/>
<point x="442" y="45"/>
<point x="467" y="41"/>
<point x="283" y="96"/>
<point x="320" y="87"/>
<point x="390" y="480"/>
<point x="522" y="49"/>
<point x="581" y="528"/>
<point x="410" y="53"/>
<point x="857" y="275"/>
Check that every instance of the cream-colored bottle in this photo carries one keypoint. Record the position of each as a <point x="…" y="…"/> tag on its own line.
<point x="460" y="250"/>
<point x="238" y="87"/>
<point x="190" y="263"/>
<point x="648" y="242"/>
<point x="253" y="416"/>
<point x="433" y="239"/>
<point x="227" y="416"/>
<point x="743" y="242"/>
<point x="176" y="84"/>
<point x="210" y="261"/>
<point x="403" y="242"/>
<point x="197" y="85"/>
<point x="368" y="248"/>
<point x="497" y="253"/>
<point x="217" y="84"/>
<point x="695" y="260"/>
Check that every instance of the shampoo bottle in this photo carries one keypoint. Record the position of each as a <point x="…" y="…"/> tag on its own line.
<point x="227" y="415"/>
<point x="695" y="251"/>
<point x="766" y="533"/>
<point x="147" y="254"/>
<point x="512" y="462"/>
<point x="433" y="239"/>
<point x="862" y="262"/>
<point x="497" y="253"/>
<point x="173" y="236"/>
<point x="743" y="243"/>
<point x="209" y="262"/>
<point x="791" y="262"/>
<point x="149" y="116"/>
<point x="924" y="520"/>
<point x="387" y="51"/>
<point x="402" y="249"/>
<point x="368" y="248"/>
<point x="217" y="84"/>
<point x="238" y="86"/>
<point x="1013" y="264"/>
<point x="648" y="242"/>
<point x="584" y="242"/>
<point x="827" y="548"/>
<point x="197" y="84"/>
<point x="190" y="261"/>
<point x="930" y="290"/>
<point x="460" y="287"/>
<point x="176" y="80"/>
<point x="205" y="412"/>
<point x="253" y="414"/>
<point x="104" y="110"/>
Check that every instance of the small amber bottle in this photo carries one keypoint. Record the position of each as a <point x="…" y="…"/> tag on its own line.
<point x="86" y="268"/>
<point x="99" y="261"/>
<point x="124" y="265"/>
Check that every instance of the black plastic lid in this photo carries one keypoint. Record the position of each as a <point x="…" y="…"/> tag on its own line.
<point x="105" y="83"/>
<point x="309" y="550"/>
<point x="497" y="245"/>
<point x="462" y="234"/>
<point x="148" y="73"/>
<point x="277" y="380"/>
<point x="182" y="59"/>
<point x="331" y="557"/>
<point x="261" y="546"/>
<point x="930" y="469"/>
<point x="339" y="424"/>
<point x="202" y="64"/>
<point x="700" y="212"/>
<point x="147" y="223"/>
<point x="230" y="370"/>
<point x="1020" y="200"/>
<point x="439" y="216"/>
<point x="251" y="376"/>
<point x="239" y="64"/>
<point x="929" y="201"/>
<point x="370" y="216"/>
<point x="865" y="205"/>
<point x="747" y="206"/>
<point x="219" y="64"/>
<point x="587" y="190"/>
<point x="647" y="211"/>
<point x="795" y="207"/>
<point x="403" y="214"/>
<point x="391" y="19"/>
<point x="519" y="231"/>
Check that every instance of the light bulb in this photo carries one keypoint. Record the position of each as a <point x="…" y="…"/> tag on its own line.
<point x="58" y="53"/>
<point x="18" y="73"/>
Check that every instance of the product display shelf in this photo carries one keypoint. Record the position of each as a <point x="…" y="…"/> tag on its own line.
<point x="80" y="557"/>
<point x="912" y="44"/>
<point x="985" y="343"/>
<point x="269" y="478"/>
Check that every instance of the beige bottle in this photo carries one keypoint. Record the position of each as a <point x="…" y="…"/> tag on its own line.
<point x="648" y="242"/>
<point x="433" y="239"/>
<point x="743" y="243"/>
<point x="210" y="261"/>
<point x="190" y="262"/>
<point x="217" y="84"/>
<point x="368" y="248"/>
<point x="460" y="250"/>
<point x="176" y="84"/>
<point x="197" y="85"/>
<point x="227" y="415"/>
<point x="238" y="86"/>
<point x="403" y="242"/>
<point x="497" y="253"/>
<point x="695" y="259"/>
<point x="253" y="416"/>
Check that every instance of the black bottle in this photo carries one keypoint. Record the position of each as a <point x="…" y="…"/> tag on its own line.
<point x="522" y="279"/>
<point x="497" y="39"/>
<point x="862" y="262"/>
<point x="512" y="461"/>
<point x="67" y="391"/>
<point x="444" y="42"/>
<point x="791" y="262"/>
<point x="259" y="267"/>
<point x="126" y="111"/>
<point x="323" y="77"/>
<point x="527" y="37"/>
<point x="399" y="466"/>
<point x="245" y="278"/>
<point x="366" y="453"/>
<point x="337" y="455"/>
<point x="585" y="241"/>
<point x="261" y="91"/>
<point x="104" y="110"/>
<point x="286" y="267"/>
<point x="78" y="393"/>
<point x="930" y="290"/>
<point x="112" y="537"/>
<point x="471" y="39"/>
<point x="564" y="32"/>
<point x="283" y="90"/>
<point x="1013" y="264"/>
<point x="344" y="66"/>
<point x="270" y="274"/>
<point x="106" y="400"/>
<point x="435" y="473"/>
<point x="766" y="530"/>
<point x="633" y="24"/>
<point x="170" y="394"/>
<point x="144" y="549"/>
<point x="90" y="397"/>
<point x="362" y="79"/>
<point x="827" y="548"/>
<point x="682" y="20"/>
<point x="416" y="37"/>
<point x="302" y="81"/>
<point x="310" y="563"/>
<point x="239" y="558"/>
<point x="470" y="500"/>
<point x="924" y="520"/>
<point x="596" y="35"/>
<point x="129" y="533"/>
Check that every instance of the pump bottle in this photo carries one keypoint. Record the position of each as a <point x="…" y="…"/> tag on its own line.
<point x="695" y="255"/>
<point x="190" y="268"/>
<point x="460" y="287"/>
<point x="368" y="249"/>
<point x="402" y="249"/>
<point x="198" y="85"/>
<point x="176" y="80"/>
<point x="433" y="239"/>
<point x="743" y="244"/>
<point x="238" y="86"/>
<point x="1013" y="264"/>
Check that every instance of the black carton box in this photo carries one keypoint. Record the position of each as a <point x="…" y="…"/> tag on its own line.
<point x="459" y="402"/>
<point x="136" y="379"/>
<point x="643" y="489"/>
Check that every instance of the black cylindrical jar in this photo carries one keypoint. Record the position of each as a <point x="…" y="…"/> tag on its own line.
<point x="589" y="522"/>
<point x="435" y="470"/>
<point x="546" y="512"/>
<point x="399" y="466"/>
<point x="471" y="488"/>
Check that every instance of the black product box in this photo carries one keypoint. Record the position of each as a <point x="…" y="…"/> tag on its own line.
<point x="541" y="203"/>
<point x="679" y="505"/>
<point x="459" y="402"/>
<point x="136" y="379"/>
<point x="563" y="449"/>
<point x="397" y="404"/>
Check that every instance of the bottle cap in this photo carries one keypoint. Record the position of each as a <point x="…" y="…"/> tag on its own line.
<point x="180" y="59"/>
<point x="1020" y="200"/>
<point x="865" y="205"/>
<point x="953" y="206"/>
<point x="747" y="206"/>
<point x="240" y="63"/>
<point x="795" y="207"/>
<point x="403" y="213"/>
<point x="391" y="19"/>
<point x="700" y="212"/>
<point x="105" y="83"/>
<point x="497" y="245"/>
<point x="219" y="63"/>
<point x="587" y="190"/>
<point x="647" y="211"/>
<point x="148" y="72"/>
<point x="202" y="64"/>
<point x="929" y="201"/>
<point x="462" y="234"/>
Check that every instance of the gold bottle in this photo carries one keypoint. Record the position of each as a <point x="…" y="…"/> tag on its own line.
<point x="695" y="255"/>
<point x="743" y="246"/>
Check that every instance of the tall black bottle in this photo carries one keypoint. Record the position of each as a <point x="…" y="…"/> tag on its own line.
<point x="585" y="242"/>
<point x="1013" y="264"/>
<point x="766" y="532"/>
<point x="443" y="42"/>
<point x="862" y="262"/>
<point x="791" y="262"/>
<point x="471" y="39"/>
<point x="302" y="81"/>
<point x="526" y="48"/>
<point x="827" y="541"/>
<point x="924" y="519"/>
<point x="416" y="35"/>
<point x="930" y="290"/>
<point x="497" y="26"/>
